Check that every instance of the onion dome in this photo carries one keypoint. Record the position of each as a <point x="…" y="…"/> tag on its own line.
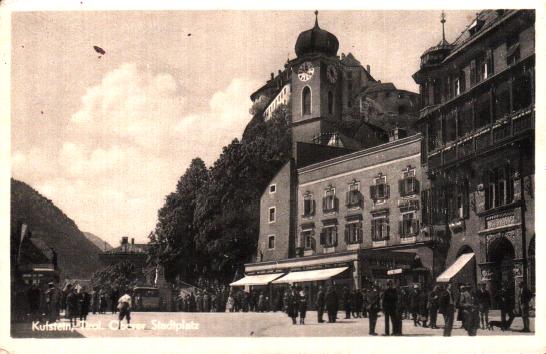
<point x="316" y="40"/>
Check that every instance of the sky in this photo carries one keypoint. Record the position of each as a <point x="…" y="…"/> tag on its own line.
<point x="106" y="137"/>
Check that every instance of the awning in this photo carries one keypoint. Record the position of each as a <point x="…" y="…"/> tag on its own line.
<point x="310" y="275"/>
<point x="259" y="279"/>
<point x="455" y="268"/>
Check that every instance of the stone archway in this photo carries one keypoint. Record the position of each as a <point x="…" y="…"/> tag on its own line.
<point x="501" y="255"/>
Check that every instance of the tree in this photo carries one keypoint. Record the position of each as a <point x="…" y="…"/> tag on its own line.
<point x="172" y="242"/>
<point x="123" y="275"/>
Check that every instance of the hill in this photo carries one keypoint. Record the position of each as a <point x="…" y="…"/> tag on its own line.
<point x="77" y="257"/>
<point x="97" y="241"/>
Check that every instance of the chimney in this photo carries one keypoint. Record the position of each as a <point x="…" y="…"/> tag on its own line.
<point x="342" y="56"/>
<point x="272" y="76"/>
<point x="368" y="68"/>
<point x="132" y="241"/>
<point x="124" y="240"/>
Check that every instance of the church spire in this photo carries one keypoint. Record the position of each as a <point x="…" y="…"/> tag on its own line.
<point x="443" y="21"/>
<point x="316" y="18"/>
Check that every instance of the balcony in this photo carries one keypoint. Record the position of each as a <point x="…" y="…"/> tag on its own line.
<point x="511" y="126"/>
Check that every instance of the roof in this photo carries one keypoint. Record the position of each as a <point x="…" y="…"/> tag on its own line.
<point x="129" y="248"/>
<point x="379" y="86"/>
<point x="350" y="60"/>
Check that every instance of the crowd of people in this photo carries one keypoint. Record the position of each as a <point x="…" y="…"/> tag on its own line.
<point x="454" y="303"/>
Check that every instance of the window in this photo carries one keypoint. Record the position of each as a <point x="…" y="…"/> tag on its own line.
<point x="308" y="205"/>
<point x="306" y="100"/>
<point x="450" y="129"/>
<point x="512" y="49"/>
<point x="379" y="191"/>
<point x="457" y="87"/>
<point x="350" y="94"/>
<point x="483" y="110"/>
<point x="380" y="227"/>
<point x="271" y="242"/>
<point x="502" y="100"/>
<point x="409" y="185"/>
<point x="522" y="91"/>
<point x="458" y="200"/>
<point x="354" y="198"/>
<point x="272" y="188"/>
<point x="474" y="76"/>
<point x="465" y="118"/>
<point x="329" y="202"/>
<point x="499" y="187"/>
<point x="409" y="225"/>
<point x="330" y="102"/>
<point x="353" y="233"/>
<point x="272" y="214"/>
<point x="307" y="240"/>
<point x="328" y="236"/>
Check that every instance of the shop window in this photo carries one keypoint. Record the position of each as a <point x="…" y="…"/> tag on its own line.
<point x="499" y="187"/>
<point x="328" y="236"/>
<point x="354" y="198"/>
<point x="306" y="100"/>
<point x="502" y="100"/>
<point x="308" y="205"/>
<point x="353" y="233"/>
<point x="408" y="185"/>
<point x="380" y="227"/>
<point x="409" y="225"/>
<point x="379" y="191"/>
<point x="330" y="202"/>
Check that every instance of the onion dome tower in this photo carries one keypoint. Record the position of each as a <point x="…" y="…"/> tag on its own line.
<point x="316" y="40"/>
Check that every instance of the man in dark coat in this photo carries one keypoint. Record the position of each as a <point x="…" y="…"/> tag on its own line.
<point x="292" y="304"/>
<point x="484" y="304"/>
<point x="319" y="303"/>
<point x="372" y="307"/>
<point x="525" y="297"/>
<point x="505" y="299"/>
<point x="331" y="304"/>
<point x="72" y="306"/>
<point x="84" y="304"/>
<point x="447" y="308"/>
<point x="390" y="299"/>
<point x="433" y="303"/>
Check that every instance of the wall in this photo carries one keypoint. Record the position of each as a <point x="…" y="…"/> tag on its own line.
<point x="363" y="166"/>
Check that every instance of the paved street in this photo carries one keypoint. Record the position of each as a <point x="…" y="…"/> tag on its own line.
<point x="238" y="324"/>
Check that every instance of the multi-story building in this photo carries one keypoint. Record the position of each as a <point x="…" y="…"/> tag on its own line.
<point x="346" y="206"/>
<point x="477" y="122"/>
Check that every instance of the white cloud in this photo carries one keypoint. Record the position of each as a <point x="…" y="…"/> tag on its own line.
<point x="126" y="147"/>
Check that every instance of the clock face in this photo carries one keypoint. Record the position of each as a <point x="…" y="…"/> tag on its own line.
<point x="331" y="73"/>
<point x="305" y="71"/>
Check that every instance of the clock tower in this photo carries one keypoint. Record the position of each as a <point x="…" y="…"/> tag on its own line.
<point x="316" y="86"/>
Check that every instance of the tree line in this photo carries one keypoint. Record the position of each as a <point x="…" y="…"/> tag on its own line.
<point x="208" y="227"/>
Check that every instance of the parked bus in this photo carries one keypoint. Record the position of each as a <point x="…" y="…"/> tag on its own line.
<point x="146" y="298"/>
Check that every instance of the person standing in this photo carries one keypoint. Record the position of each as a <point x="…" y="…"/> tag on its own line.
<point x="319" y="304"/>
<point x="261" y="302"/>
<point x="114" y="296"/>
<point x="390" y="299"/>
<point x="206" y="301"/>
<point x="433" y="303"/>
<point x="302" y="306"/>
<point x="373" y="306"/>
<point x="484" y="304"/>
<point x="347" y="302"/>
<point x="124" y="307"/>
<point x="414" y="304"/>
<point x="331" y="304"/>
<point x="525" y="297"/>
<point x="292" y="304"/>
<point x="447" y="303"/>
<point x="53" y="298"/>
<point x="506" y="304"/>
<point x="85" y="303"/>
<point x="423" y="309"/>
<point x="364" y="307"/>
<point x="469" y="307"/>
<point x="72" y="304"/>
